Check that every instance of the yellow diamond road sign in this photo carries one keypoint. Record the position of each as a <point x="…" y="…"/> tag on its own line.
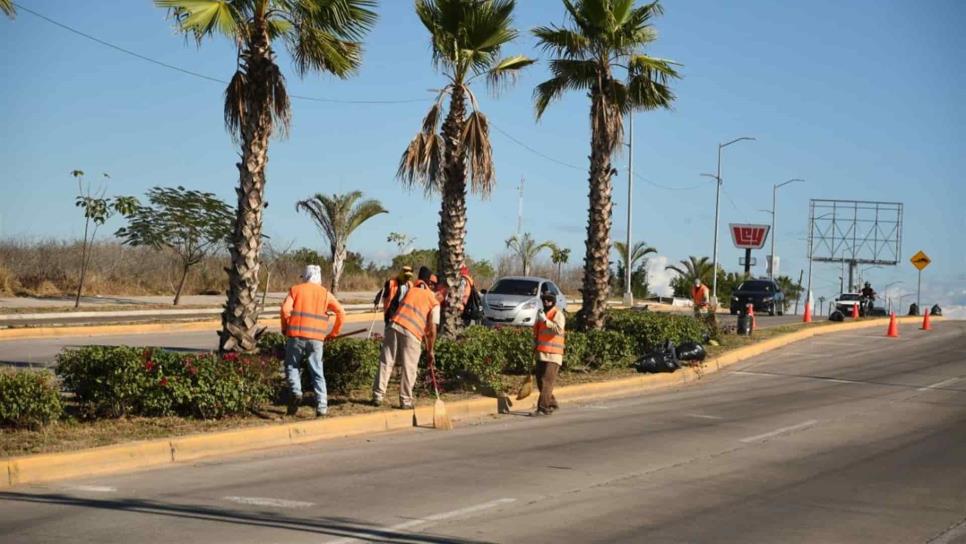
<point x="920" y="260"/>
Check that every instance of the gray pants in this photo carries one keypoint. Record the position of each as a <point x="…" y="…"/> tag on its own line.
<point x="398" y="347"/>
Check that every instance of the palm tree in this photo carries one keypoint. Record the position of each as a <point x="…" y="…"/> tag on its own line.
<point x="466" y="37"/>
<point x="337" y="216"/>
<point x="604" y="36"/>
<point x="321" y="35"/>
<point x="559" y="256"/>
<point x="694" y="268"/>
<point x="526" y="248"/>
<point x="6" y="6"/>
<point x="639" y="251"/>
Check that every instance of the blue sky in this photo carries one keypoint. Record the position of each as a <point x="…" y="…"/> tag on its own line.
<point x="863" y="99"/>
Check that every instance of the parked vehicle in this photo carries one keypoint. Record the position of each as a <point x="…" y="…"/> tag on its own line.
<point x="764" y="295"/>
<point x="846" y="301"/>
<point x="515" y="300"/>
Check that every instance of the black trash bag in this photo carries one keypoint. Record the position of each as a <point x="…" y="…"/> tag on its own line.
<point x="836" y="316"/>
<point x="936" y="310"/>
<point x="913" y="309"/>
<point x="663" y="359"/>
<point x="691" y="351"/>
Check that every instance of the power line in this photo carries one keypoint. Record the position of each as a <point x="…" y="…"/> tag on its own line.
<point x="313" y="98"/>
<point x="196" y="74"/>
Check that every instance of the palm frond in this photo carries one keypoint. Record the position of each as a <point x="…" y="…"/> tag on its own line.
<point x="562" y="41"/>
<point x="6" y="6"/>
<point x="326" y="36"/>
<point x="202" y="18"/>
<point x="506" y="71"/>
<point x="479" y="153"/>
<point x="235" y="103"/>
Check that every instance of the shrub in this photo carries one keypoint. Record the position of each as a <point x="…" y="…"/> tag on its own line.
<point x="515" y="346"/>
<point x="575" y="352"/>
<point x="608" y="349"/>
<point x="28" y="399"/>
<point x="648" y="330"/>
<point x="121" y="381"/>
<point x="471" y="362"/>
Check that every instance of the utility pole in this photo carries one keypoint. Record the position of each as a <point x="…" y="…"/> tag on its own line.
<point x="799" y="297"/>
<point x="520" y="208"/>
<point x="628" y="293"/>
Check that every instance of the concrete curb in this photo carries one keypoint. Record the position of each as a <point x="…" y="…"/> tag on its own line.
<point x="165" y="452"/>
<point x="143" y="328"/>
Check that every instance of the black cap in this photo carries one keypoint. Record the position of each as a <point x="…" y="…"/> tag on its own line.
<point x="424" y="274"/>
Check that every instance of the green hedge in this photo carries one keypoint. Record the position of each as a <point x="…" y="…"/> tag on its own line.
<point x="28" y="399"/>
<point x="124" y="381"/>
<point x="648" y="330"/>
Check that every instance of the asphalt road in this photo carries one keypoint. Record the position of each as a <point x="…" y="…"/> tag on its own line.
<point x="851" y="437"/>
<point x="42" y="352"/>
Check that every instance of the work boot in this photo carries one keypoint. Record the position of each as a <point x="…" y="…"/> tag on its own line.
<point x="541" y="412"/>
<point x="320" y="413"/>
<point x="294" y="401"/>
<point x="376" y="401"/>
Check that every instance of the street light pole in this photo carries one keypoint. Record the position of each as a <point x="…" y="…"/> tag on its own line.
<point x="774" y="221"/>
<point x="628" y="294"/>
<point x="717" y="206"/>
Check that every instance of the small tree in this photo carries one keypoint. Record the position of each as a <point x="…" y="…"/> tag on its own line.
<point x="401" y="240"/>
<point x="791" y="289"/>
<point x="526" y="248"/>
<point x="98" y="208"/>
<point x="337" y="216"/>
<point x="559" y="256"/>
<point x="191" y="224"/>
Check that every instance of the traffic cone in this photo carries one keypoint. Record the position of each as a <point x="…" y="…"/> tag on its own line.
<point x="925" y="321"/>
<point x="893" y="326"/>
<point x="808" y="312"/>
<point x="751" y="313"/>
<point x="855" y="311"/>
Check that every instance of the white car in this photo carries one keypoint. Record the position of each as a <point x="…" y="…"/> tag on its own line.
<point x="514" y="301"/>
<point x="846" y="301"/>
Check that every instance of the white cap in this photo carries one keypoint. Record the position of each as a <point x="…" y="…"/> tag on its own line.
<point x="313" y="274"/>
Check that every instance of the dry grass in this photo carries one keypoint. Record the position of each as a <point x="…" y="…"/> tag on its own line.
<point x="50" y="268"/>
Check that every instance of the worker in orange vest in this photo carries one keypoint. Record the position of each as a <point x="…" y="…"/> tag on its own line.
<point x="412" y="328"/>
<point x="393" y="291"/>
<point x="307" y="324"/>
<point x="699" y="296"/>
<point x="549" y="343"/>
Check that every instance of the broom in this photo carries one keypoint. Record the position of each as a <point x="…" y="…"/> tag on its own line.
<point x="440" y="418"/>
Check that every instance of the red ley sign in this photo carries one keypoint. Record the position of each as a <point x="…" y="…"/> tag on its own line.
<point x="749" y="236"/>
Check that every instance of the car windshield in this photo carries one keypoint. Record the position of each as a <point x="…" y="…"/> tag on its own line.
<point x="523" y="288"/>
<point x="850" y="296"/>
<point x="756" y="286"/>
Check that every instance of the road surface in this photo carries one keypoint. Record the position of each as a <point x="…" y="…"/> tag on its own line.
<point x="42" y="352"/>
<point x="850" y="437"/>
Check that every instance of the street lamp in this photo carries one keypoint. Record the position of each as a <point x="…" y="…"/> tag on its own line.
<point x="717" y="204"/>
<point x="774" y="214"/>
<point x="628" y="294"/>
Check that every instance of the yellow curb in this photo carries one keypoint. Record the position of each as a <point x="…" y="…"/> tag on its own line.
<point x="144" y="328"/>
<point x="165" y="452"/>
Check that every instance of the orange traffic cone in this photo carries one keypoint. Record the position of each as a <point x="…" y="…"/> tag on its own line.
<point x="808" y="312"/>
<point x="751" y="313"/>
<point x="855" y="311"/>
<point x="925" y="321"/>
<point x="893" y="326"/>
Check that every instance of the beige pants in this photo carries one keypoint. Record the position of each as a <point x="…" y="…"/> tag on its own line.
<point x="403" y="348"/>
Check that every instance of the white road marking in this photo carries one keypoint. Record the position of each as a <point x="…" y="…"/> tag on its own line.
<point x="429" y="519"/>
<point x="93" y="488"/>
<point x="704" y="416"/>
<point x="783" y="430"/>
<point x="939" y="384"/>
<point x="266" y="501"/>
<point x="950" y="535"/>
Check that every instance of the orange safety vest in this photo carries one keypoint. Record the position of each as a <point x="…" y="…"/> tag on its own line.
<point x="415" y="309"/>
<point x="391" y="294"/>
<point x="699" y="294"/>
<point x="547" y="340"/>
<point x="309" y="318"/>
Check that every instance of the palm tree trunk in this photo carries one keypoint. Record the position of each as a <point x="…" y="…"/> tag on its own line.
<point x="596" y="263"/>
<point x="241" y="310"/>
<point x="338" y="265"/>
<point x="452" y="215"/>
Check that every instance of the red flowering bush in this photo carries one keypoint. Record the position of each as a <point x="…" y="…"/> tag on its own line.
<point x="120" y="381"/>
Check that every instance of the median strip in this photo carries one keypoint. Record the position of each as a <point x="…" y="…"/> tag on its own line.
<point x="169" y="451"/>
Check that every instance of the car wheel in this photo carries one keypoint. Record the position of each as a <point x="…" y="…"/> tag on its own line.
<point x="734" y="312"/>
<point x="771" y="310"/>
